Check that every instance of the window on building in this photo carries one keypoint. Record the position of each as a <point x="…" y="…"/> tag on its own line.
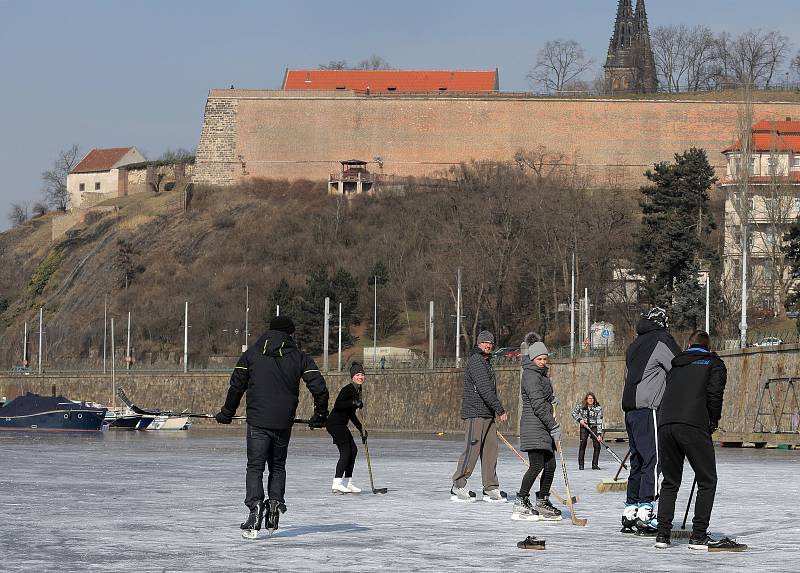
<point x="772" y="165"/>
<point x="392" y="88"/>
<point x="442" y="89"/>
<point x="82" y="187"/>
<point x="97" y="186"/>
<point x="797" y="204"/>
<point x="796" y="161"/>
<point x="770" y="205"/>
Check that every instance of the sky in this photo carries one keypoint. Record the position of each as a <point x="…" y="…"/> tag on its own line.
<point x="111" y="74"/>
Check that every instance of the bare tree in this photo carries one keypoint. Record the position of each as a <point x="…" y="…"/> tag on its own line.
<point x="700" y="58"/>
<point x="670" y="44"/>
<point x="334" y="65"/>
<point x="374" y="62"/>
<point x="794" y="66"/>
<point x="18" y="213"/>
<point x="178" y="155"/>
<point x="40" y="208"/>
<point x="751" y="58"/>
<point x="558" y="63"/>
<point x="55" y="179"/>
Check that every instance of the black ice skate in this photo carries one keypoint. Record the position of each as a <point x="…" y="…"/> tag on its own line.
<point x="252" y="524"/>
<point x="663" y="542"/>
<point x="274" y="509"/>
<point x="547" y="511"/>
<point x="531" y="542"/>
<point x="523" y="510"/>
<point x="707" y="544"/>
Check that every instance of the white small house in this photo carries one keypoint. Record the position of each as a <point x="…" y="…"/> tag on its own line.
<point x="96" y="177"/>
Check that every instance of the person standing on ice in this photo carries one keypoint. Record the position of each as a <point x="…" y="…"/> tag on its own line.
<point x="689" y="414"/>
<point x="270" y="372"/>
<point x="589" y="414"/>
<point x="538" y="434"/>
<point x="479" y="407"/>
<point x="647" y="361"/>
<point x="348" y="402"/>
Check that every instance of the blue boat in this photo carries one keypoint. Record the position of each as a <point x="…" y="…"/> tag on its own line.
<point x="50" y="414"/>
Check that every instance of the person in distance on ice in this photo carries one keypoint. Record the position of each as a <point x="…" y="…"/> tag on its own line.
<point x="348" y="402"/>
<point x="589" y="414"/>
<point x="538" y="434"/>
<point x="479" y="407"/>
<point x="647" y="361"/>
<point x="270" y="372"/>
<point x="689" y="415"/>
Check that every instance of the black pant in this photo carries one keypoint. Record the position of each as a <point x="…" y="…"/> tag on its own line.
<point x="540" y="461"/>
<point x="645" y="467"/>
<point x="347" y="450"/>
<point x="677" y="442"/>
<point x="270" y="447"/>
<point x="582" y="449"/>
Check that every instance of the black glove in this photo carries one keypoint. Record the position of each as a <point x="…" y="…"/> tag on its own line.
<point x="318" y="419"/>
<point x="712" y="427"/>
<point x="222" y="417"/>
<point x="358" y="404"/>
<point x="364" y="435"/>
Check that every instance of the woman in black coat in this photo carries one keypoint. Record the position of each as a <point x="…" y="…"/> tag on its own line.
<point x="344" y="410"/>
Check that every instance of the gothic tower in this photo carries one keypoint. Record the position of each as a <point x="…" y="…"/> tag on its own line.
<point x="630" y="66"/>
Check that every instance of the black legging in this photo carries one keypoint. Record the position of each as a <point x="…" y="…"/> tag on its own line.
<point x="540" y="461"/>
<point x="347" y="450"/>
<point x="585" y="435"/>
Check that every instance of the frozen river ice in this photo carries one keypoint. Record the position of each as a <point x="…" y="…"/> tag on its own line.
<point x="173" y="502"/>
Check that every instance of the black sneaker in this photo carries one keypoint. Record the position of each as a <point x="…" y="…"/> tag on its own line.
<point x="531" y="542"/>
<point x="254" y="519"/>
<point x="274" y="510"/>
<point x="705" y="543"/>
<point x="645" y="530"/>
<point x="663" y="542"/>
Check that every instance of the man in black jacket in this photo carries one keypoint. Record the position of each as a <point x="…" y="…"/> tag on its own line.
<point x="689" y="414"/>
<point x="270" y="372"/>
<point x="647" y="361"/>
<point x="478" y="409"/>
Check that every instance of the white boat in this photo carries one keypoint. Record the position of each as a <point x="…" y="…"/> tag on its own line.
<point x="170" y="422"/>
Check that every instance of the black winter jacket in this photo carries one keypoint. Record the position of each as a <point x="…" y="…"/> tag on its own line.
<point x="270" y="372"/>
<point x="480" y="388"/>
<point x="695" y="387"/>
<point x="647" y="362"/>
<point x="344" y="409"/>
<point x="537" y="418"/>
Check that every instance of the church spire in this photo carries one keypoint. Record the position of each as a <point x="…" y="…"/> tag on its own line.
<point x="640" y="16"/>
<point x="622" y="26"/>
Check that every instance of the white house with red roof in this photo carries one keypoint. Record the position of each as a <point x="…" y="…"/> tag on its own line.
<point x="772" y="205"/>
<point x="96" y="177"/>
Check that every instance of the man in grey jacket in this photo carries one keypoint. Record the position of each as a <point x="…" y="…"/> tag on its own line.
<point x="647" y="361"/>
<point x="478" y="409"/>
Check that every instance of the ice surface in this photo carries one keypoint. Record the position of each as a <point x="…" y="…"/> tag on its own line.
<point x="173" y="502"/>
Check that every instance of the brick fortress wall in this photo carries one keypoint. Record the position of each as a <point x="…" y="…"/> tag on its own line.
<point x="276" y="134"/>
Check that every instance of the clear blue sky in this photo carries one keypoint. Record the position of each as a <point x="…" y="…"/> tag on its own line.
<point x="112" y="73"/>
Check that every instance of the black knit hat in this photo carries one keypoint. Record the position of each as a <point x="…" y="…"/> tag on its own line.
<point x="356" y="368"/>
<point x="282" y="323"/>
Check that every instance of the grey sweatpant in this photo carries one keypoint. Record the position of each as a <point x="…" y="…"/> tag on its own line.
<point x="480" y="441"/>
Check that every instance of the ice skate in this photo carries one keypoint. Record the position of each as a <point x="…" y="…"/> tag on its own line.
<point x="531" y="542"/>
<point x="523" y="510"/>
<point x="461" y="494"/>
<point x="547" y="511"/>
<point x="494" y="495"/>
<point x="252" y="524"/>
<point x="646" y="522"/>
<point x="274" y="508"/>
<point x="705" y="543"/>
<point x="352" y="487"/>
<point x="338" y="488"/>
<point x="629" y="518"/>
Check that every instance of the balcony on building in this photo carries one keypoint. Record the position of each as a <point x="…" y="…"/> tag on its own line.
<point x="354" y="178"/>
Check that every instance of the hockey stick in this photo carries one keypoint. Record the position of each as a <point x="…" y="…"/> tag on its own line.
<point x="560" y="499"/>
<point x="375" y="490"/>
<point x="616" y="476"/>
<point x="581" y="521"/>
<point x="688" y="505"/>
<point x="610" y="451"/>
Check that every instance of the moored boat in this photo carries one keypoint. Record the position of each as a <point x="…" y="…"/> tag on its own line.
<point x="50" y="414"/>
<point x="170" y="422"/>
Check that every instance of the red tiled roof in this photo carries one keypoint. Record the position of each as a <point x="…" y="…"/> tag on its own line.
<point x="100" y="159"/>
<point x="766" y="142"/>
<point x="402" y="81"/>
<point x="779" y="126"/>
